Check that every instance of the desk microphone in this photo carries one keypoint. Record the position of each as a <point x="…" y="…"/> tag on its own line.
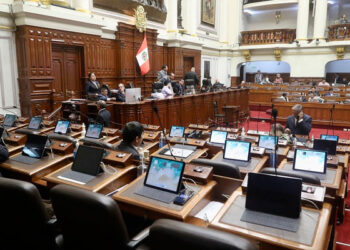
<point x="274" y="115"/>
<point x="155" y="109"/>
<point x="330" y="125"/>
<point x="257" y="123"/>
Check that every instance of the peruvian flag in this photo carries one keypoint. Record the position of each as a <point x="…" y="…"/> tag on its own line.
<point x="142" y="57"/>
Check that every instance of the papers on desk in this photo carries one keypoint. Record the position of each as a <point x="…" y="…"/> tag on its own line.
<point x="179" y="152"/>
<point x="209" y="211"/>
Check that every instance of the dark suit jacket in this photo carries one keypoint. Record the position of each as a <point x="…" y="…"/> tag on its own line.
<point x="192" y="75"/>
<point x="91" y="88"/>
<point x="129" y="149"/>
<point x="120" y="97"/>
<point x="104" y="117"/>
<point x="301" y="128"/>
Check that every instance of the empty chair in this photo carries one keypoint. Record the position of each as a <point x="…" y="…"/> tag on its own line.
<point x="24" y="219"/>
<point x="88" y="220"/>
<point x="169" y="234"/>
<point x="220" y="168"/>
<point x="219" y="118"/>
<point x="307" y="178"/>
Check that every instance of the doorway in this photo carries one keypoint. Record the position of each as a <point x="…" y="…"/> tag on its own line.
<point x="67" y="71"/>
<point x="188" y="64"/>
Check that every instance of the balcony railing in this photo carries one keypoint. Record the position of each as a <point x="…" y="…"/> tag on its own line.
<point x="339" y="32"/>
<point x="256" y="37"/>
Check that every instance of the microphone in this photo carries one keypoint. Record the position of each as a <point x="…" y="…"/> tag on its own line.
<point x="155" y="109"/>
<point x="330" y="125"/>
<point x="274" y="115"/>
<point x="257" y="123"/>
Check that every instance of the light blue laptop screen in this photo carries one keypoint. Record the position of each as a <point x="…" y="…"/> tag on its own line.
<point x="329" y="137"/>
<point x="237" y="150"/>
<point x="310" y="161"/>
<point x="177" y="131"/>
<point x="268" y="141"/>
<point x="218" y="136"/>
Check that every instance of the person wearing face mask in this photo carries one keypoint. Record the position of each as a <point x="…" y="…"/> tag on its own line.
<point x="298" y="123"/>
<point x="132" y="139"/>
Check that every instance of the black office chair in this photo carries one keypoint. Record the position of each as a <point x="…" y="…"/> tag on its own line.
<point x="90" y="220"/>
<point x="174" y="235"/>
<point x="220" y="168"/>
<point x="27" y="131"/>
<point x="24" y="219"/>
<point x="307" y="178"/>
<point x="65" y="138"/>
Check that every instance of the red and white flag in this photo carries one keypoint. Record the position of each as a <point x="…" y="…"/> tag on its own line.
<point x="142" y="57"/>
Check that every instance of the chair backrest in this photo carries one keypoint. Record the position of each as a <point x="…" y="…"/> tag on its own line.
<point x="23" y="216"/>
<point x="308" y="178"/>
<point x="88" y="220"/>
<point x="170" y="234"/>
<point x="97" y="143"/>
<point x="220" y="168"/>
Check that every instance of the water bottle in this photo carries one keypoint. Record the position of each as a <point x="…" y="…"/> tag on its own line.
<point x="161" y="141"/>
<point x="83" y="129"/>
<point x="243" y="132"/>
<point x="141" y="168"/>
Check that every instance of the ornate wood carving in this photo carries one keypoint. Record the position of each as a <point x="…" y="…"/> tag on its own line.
<point x="339" y="32"/>
<point x="268" y="36"/>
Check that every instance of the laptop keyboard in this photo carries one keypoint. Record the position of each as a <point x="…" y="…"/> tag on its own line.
<point x="237" y="163"/>
<point x="156" y="194"/>
<point x="77" y="176"/>
<point x="25" y="159"/>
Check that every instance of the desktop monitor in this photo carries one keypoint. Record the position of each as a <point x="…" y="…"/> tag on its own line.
<point x="62" y="127"/>
<point x="329" y="146"/>
<point x="330" y="137"/>
<point x="279" y="195"/>
<point x="313" y="161"/>
<point x="165" y="174"/>
<point x="94" y="131"/>
<point x="9" y="120"/>
<point x="132" y="95"/>
<point x="268" y="141"/>
<point x="237" y="150"/>
<point x="88" y="160"/>
<point x="35" y="146"/>
<point x="177" y="131"/>
<point x="35" y="123"/>
<point x="218" y="136"/>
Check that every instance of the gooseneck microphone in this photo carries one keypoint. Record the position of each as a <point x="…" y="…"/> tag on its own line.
<point x="155" y="109"/>
<point x="330" y="125"/>
<point x="274" y="115"/>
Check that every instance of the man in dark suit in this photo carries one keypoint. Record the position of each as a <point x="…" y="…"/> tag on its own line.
<point x="120" y="94"/>
<point x="132" y="139"/>
<point x="103" y="115"/>
<point x="192" y="75"/>
<point x="298" y="123"/>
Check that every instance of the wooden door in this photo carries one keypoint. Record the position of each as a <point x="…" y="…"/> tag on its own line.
<point x="188" y="64"/>
<point x="66" y="61"/>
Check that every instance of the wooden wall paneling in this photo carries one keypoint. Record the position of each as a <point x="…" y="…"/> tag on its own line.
<point x="186" y="108"/>
<point x="235" y="81"/>
<point x="146" y="115"/>
<point x="174" y="106"/>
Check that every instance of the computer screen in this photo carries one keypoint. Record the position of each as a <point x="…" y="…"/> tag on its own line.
<point x="94" y="131"/>
<point x="177" y="131"/>
<point x="35" y="146"/>
<point x="88" y="160"/>
<point x="329" y="146"/>
<point x="218" y="136"/>
<point x="132" y="95"/>
<point x="310" y="161"/>
<point x="329" y="137"/>
<point x="9" y="120"/>
<point x="62" y="127"/>
<point x="165" y="174"/>
<point x="268" y="141"/>
<point x="35" y="123"/>
<point x="237" y="150"/>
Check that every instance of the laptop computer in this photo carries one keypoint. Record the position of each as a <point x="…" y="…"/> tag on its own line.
<point x="163" y="180"/>
<point x="237" y="152"/>
<point x="9" y="120"/>
<point x="94" y="131"/>
<point x="273" y="201"/>
<point x="177" y="131"/>
<point x="311" y="161"/>
<point x="62" y="127"/>
<point x="329" y="137"/>
<point x="268" y="142"/>
<point x="35" y="123"/>
<point x="86" y="165"/>
<point x="330" y="146"/>
<point x="33" y="150"/>
<point x="218" y="137"/>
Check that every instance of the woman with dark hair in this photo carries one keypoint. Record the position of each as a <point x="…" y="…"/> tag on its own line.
<point x="93" y="87"/>
<point x="132" y="139"/>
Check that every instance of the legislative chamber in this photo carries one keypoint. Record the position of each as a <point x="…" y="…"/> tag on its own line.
<point x="169" y="124"/>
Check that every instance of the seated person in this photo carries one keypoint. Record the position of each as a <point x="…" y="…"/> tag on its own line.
<point x="315" y="98"/>
<point x="104" y="95"/>
<point x="298" y="123"/>
<point x="278" y="79"/>
<point x="167" y="90"/>
<point x="120" y="94"/>
<point x="103" y="115"/>
<point x="265" y="80"/>
<point x="285" y="97"/>
<point x="323" y="83"/>
<point x="218" y="84"/>
<point x="279" y="132"/>
<point x="132" y="139"/>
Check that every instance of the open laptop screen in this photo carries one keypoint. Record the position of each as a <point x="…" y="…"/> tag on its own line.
<point x="329" y="137"/>
<point x="329" y="146"/>
<point x="310" y="161"/>
<point x="35" y="123"/>
<point x="237" y="150"/>
<point x="88" y="160"/>
<point x="177" y="131"/>
<point x="165" y="174"/>
<point x="268" y="141"/>
<point x="218" y="136"/>
<point x="94" y="131"/>
<point x="35" y="146"/>
<point x="9" y="120"/>
<point x="62" y="127"/>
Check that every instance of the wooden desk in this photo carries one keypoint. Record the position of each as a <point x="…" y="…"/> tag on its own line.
<point x="151" y="135"/>
<point x="198" y="153"/>
<point x="190" y="141"/>
<point x="277" y="239"/>
<point x="146" y="207"/>
<point x="104" y="183"/>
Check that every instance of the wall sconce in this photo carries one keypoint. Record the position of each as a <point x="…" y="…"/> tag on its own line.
<point x="277" y="16"/>
<point x="317" y="41"/>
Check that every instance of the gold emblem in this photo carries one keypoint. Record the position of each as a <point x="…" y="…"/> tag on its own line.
<point x="140" y="18"/>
